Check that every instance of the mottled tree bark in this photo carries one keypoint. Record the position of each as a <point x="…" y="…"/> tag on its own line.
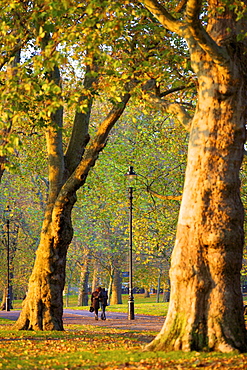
<point x="206" y="306"/>
<point x="42" y="308"/>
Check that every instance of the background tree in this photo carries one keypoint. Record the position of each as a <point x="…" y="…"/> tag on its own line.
<point x="42" y="308"/>
<point x="102" y="210"/>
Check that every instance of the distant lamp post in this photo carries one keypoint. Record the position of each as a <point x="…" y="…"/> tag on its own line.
<point x="131" y="175"/>
<point x="7" y="214"/>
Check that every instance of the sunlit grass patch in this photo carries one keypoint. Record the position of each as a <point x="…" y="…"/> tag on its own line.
<point x="91" y="347"/>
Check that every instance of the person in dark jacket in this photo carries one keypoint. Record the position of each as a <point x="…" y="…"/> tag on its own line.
<point x="95" y="302"/>
<point x="103" y="298"/>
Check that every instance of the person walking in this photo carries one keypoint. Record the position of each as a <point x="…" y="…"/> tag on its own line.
<point x="95" y="302"/>
<point x="103" y="298"/>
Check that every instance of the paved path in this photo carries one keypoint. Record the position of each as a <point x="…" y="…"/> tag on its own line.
<point x="113" y="320"/>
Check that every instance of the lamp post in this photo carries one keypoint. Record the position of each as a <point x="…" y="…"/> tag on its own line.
<point x="131" y="176"/>
<point x="7" y="211"/>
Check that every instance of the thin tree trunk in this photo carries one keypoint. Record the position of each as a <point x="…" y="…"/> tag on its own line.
<point x="166" y="294"/>
<point x="67" y="296"/>
<point x="110" y="285"/>
<point x="95" y="281"/>
<point x="3" y="303"/>
<point x="158" y="288"/>
<point x="116" y="297"/>
<point x="83" y="288"/>
<point x="146" y="293"/>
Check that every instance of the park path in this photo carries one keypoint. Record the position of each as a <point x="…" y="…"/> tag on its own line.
<point x="113" y="320"/>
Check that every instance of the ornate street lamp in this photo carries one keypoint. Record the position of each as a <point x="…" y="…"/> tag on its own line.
<point x="7" y="214"/>
<point x="131" y="175"/>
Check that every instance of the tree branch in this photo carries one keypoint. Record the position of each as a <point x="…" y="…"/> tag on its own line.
<point x="191" y="29"/>
<point x="193" y="9"/>
<point x="16" y="50"/>
<point x="165" y="18"/>
<point x="164" y="197"/>
<point x="78" y="178"/>
<point x="80" y="137"/>
<point x="218" y="54"/>
<point x="173" y="108"/>
<point x="175" y="89"/>
<point x="54" y="137"/>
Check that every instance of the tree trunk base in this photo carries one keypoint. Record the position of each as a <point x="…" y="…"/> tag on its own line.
<point x="37" y="314"/>
<point x="38" y="320"/>
<point x="214" y="336"/>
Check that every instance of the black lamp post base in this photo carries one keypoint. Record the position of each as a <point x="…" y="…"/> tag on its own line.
<point x="131" y="315"/>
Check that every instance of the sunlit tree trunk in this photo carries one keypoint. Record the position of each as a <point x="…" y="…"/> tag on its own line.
<point x="111" y="277"/>
<point x="6" y="127"/>
<point x="116" y="297"/>
<point x="3" y="303"/>
<point x="42" y="308"/>
<point x="206" y="306"/>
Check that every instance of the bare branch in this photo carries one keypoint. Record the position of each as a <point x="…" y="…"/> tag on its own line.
<point x="164" y="197"/>
<point x="175" y="89"/>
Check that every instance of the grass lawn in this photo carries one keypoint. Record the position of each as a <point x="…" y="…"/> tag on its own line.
<point x="88" y="347"/>
<point x="91" y="347"/>
<point x="145" y="306"/>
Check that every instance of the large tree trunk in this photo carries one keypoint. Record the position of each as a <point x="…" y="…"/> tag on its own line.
<point x="42" y="308"/>
<point x="206" y="308"/>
